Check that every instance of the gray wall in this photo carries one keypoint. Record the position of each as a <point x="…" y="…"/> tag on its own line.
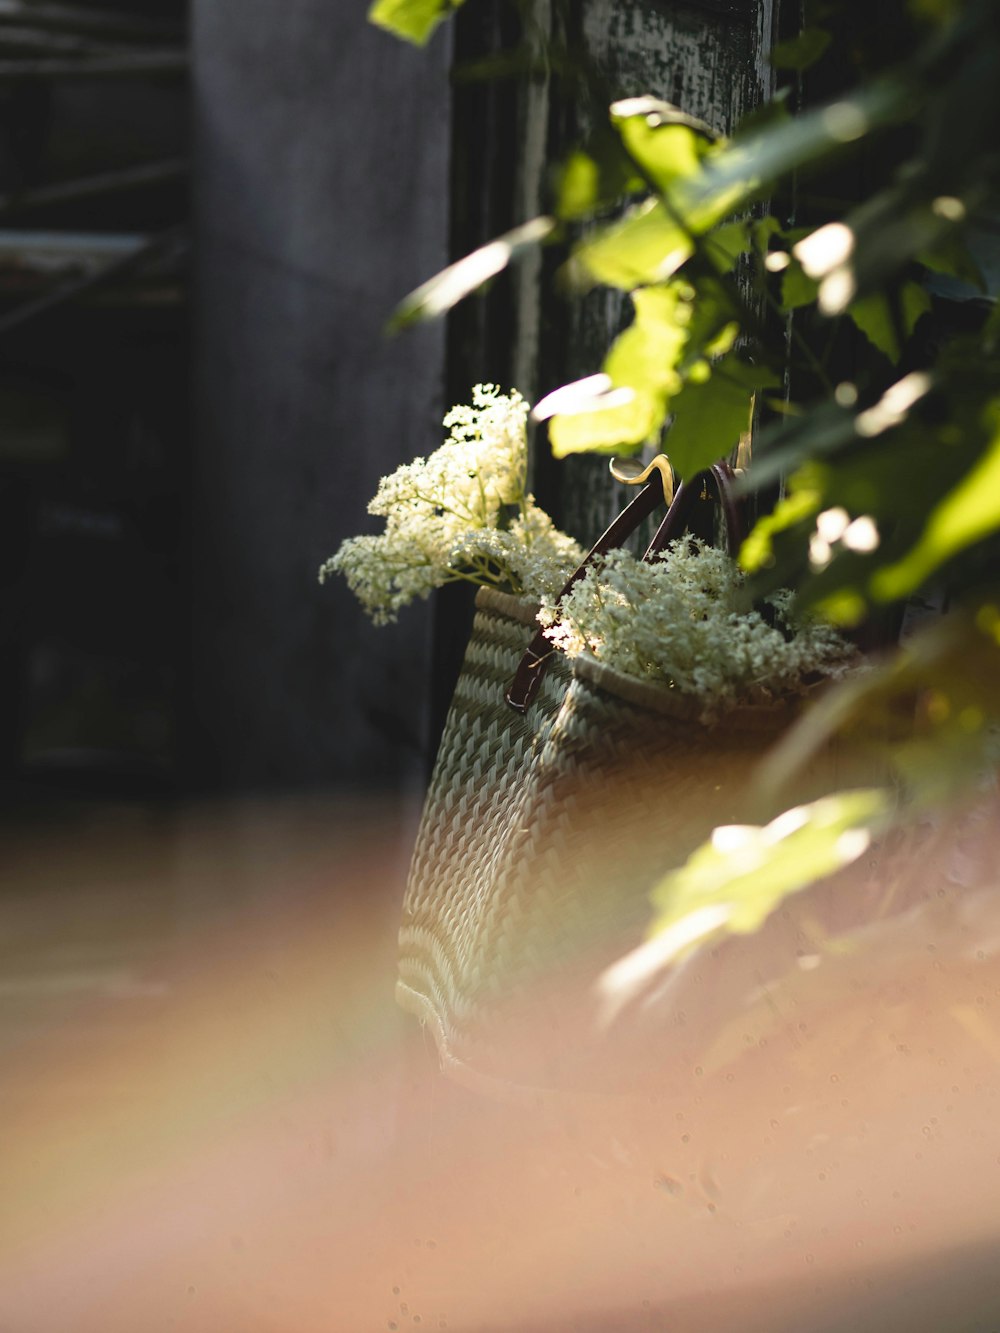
<point x="322" y="198"/>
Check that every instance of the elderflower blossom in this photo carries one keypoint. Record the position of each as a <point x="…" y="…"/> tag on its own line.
<point x="681" y="618"/>
<point x="461" y="514"/>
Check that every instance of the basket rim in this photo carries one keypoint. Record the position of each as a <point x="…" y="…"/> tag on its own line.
<point x="652" y="695"/>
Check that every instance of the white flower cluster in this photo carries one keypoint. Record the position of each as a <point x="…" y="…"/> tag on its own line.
<point x="461" y="514"/>
<point x="682" y="618"/>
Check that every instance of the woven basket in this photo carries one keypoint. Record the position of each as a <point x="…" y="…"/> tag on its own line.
<point x="541" y="838"/>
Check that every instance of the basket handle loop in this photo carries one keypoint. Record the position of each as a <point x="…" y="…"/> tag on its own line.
<point x="657" y="490"/>
<point x="720" y="477"/>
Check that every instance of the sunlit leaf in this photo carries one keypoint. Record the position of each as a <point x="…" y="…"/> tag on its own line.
<point x="733" y="883"/>
<point x="647" y="353"/>
<point x="579" y="186"/>
<point x="710" y="417"/>
<point x="656" y="115"/>
<point x="594" y="177"/>
<point x="643" y="249"/>
<point x="642" y="361"/>
<point x="967" y="514"/>
<point x="668" y="145"/>
<point x="413" y="20"/>
<point x="799" y="506"/>
<point x="726" y="244"/>
<point x="751" y="869"/>
<point x="448" y="287"/>
<point x="605" y="429"/>
<point x="586" y="395"/>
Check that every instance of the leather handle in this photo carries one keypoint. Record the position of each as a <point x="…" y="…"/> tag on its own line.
<point x="528" y="678"/>
<point x="720" y="477"/>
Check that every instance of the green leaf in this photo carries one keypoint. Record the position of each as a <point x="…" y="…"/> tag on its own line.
<point x="643" y="249"/>
<point x="874" y="317"/>
<point x="733" y="883"/>
<point x="726" y="244"/>
<point x="710" y="417"/>
<point x="597" y="429"/>
<point x="950" y="255"/>
<point x="761" y="232"/>
<point x="967" y="514"/>
<point x="413" y="20"/>
<point x="797" y="288"/>
<point x="648" y="116"/>
<point x="667" y="145"/>
<point x="751" y="163"/>
<point x="798" y="507"/>
<point x="801" y="52"/>
<point x="646" y="354"/>
<point x="713" y="326"/>
<point x="579" y="186"/>
<point x="670" y="149"/>
<point x="929" y="711"/>
<point x="595" y="177"/>
<point x="642" y="361"/>
<point x="448" y="287"/>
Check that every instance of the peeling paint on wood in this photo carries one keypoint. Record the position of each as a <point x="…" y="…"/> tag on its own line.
<point x="710" y="59"/>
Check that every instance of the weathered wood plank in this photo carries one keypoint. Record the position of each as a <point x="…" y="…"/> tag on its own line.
<point x="80" y="19"/>
<point x="89" y="187"/>
<point x="127" y="66"/>
<point x="708" y="59"/>
<point x="42" y="42"/>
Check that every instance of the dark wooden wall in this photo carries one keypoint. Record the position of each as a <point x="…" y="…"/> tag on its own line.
<point x="322" y="151"/>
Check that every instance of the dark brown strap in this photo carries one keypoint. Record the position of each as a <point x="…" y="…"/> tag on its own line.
<point x="719" y="477"/>
<point x="528" y="677"/>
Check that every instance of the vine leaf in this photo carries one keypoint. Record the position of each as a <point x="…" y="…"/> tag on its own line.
<point x="667" y="145"/>
<point x="931" y="709"/>
<point x="801" y="52"/>
<point x="712" y="411"/>
<point x="438" y="295"/>
<point x="413" y="20"/>
<point x="607" y="422"/>
<point x="967" y="514"/>
<point x="640" y="375"/>
<point x="732" y="884"/>
<point x="645" y="247"/>
<point x="595" y="176"/>
<point x="753" y="161"/>
<point x="873" y="315"/>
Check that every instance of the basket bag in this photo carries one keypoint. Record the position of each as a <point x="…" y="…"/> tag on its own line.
<point x="555" y="804"/>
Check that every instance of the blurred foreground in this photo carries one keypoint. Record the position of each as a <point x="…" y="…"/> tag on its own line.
<point x="215" y="1121"/>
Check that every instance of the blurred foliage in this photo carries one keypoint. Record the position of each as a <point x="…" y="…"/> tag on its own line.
<point x="865" y="344"/>
<point x="413" y="20"/>
<point x="733" y="883"/>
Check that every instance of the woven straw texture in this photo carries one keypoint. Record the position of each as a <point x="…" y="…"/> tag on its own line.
<point x="540" y="841"/>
